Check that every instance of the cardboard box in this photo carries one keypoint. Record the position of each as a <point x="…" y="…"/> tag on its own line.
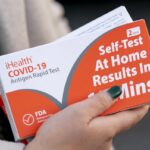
<point x="38" y="82"/>
<point x="100" y="25"/>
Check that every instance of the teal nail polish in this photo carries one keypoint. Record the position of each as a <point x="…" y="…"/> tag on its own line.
<point x="114" y="92"/>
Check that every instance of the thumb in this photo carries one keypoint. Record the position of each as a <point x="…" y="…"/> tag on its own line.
<point x="101" y="101"/>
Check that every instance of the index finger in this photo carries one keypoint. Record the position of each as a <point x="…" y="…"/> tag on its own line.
<point x="126" y="119"/>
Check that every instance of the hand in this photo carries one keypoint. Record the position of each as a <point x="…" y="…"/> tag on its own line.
<point x="78" y="128"/>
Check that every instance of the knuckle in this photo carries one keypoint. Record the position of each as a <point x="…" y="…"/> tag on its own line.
<point x="103" y="100"/>
<point x="138" y="116"/>
<point x="110" y="133"/>
<point x="141" y="113"/>
<point x="113" y="129"/>
<point x="147" y="110"/>
<point x="75" y="110"/>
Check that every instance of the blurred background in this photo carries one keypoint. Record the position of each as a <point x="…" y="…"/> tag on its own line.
<point x="80" y="12"/>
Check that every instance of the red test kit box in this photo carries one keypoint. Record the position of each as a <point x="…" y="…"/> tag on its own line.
<point x="41" y="81"/>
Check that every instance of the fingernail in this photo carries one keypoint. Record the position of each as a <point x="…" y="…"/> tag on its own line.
<point x="114" y="92"/>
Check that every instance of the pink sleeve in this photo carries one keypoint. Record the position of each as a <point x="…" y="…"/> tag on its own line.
<point x="11" y="146"/>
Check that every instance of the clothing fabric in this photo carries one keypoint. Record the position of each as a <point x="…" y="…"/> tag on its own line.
<point x="28" y="23"/>
<point x="11" y="146"/>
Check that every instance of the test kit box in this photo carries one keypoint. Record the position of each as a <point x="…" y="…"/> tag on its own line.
<point x="101" y="25"/>
<point x="38" y="82"/>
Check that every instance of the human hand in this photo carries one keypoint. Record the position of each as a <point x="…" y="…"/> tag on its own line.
<point x="78" y="127"/>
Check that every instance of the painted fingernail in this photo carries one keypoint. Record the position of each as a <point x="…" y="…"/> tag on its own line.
<point x="114" y="92"/>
